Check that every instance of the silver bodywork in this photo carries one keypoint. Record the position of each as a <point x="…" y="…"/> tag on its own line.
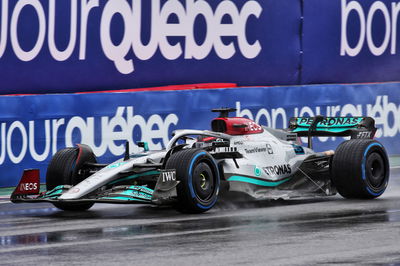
<point x="266" y="166"/>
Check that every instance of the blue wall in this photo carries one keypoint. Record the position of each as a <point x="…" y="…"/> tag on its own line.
<point x="350" y="41"/>
<point x="232" y="38"/>
<point x="34" y="127"/>
<point x="249" y="42"/>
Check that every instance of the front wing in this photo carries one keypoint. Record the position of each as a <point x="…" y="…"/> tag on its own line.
<point x="163" y="193"/>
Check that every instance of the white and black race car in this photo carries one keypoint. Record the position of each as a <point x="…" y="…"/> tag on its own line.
<point x="236" y="155"/>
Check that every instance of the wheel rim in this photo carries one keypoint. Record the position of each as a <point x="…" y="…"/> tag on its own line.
<point x="204" y="182"/>
<point x="375" y="167"/>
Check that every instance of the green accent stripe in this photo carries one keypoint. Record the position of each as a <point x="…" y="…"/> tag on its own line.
<point x="318" y="129"/>
<point x="142" y="188"/>
<point x="59" y="191"/>
<point x="55" y="192"/>
<point x="123" y="198"/>
<point x="135" y="176"/>
<point x="338" y="120"/>
<point x="256" y="181"/>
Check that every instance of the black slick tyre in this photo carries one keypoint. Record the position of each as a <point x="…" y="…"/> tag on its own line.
<point x="199" y="180"/>
<point x="360" y="169"/>
<point x="62" y="170"/>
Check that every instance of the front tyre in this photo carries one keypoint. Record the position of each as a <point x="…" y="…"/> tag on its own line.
<point x="64" y="169"/>
<point x="360" y="169"/>
<point x="199" y="180"/>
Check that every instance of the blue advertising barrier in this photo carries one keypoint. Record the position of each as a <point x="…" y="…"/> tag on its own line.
<point x="32" y="128"/>
<point x="49" y="46"/>
<point x="347" y="41"/>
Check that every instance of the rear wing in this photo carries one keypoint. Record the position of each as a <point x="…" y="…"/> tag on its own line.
<point x="355" y="127"/>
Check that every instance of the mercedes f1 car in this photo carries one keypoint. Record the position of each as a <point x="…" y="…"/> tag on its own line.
<point x="236" y="155"/>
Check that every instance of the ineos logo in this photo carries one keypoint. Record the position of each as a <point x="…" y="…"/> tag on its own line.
<point x="28" y="186"/>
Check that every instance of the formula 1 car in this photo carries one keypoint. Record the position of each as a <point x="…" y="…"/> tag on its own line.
<point x="236" y="155"/>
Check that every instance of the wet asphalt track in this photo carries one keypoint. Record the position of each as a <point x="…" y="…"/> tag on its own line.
<point x="301" y="232"/>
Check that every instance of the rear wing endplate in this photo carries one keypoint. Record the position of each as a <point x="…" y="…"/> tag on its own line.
<point x="319" y="126"/>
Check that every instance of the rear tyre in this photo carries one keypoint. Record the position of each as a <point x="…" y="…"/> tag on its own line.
<point x="62" y="170"/>
<point x="360" y="169"/>
<point x="199" y="180"/>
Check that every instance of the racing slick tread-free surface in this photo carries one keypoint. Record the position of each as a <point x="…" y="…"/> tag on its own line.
<point x="57" y="174"/>
<point x="186" y="163"/>
<point x="61" y="172"/>
<point x="351" y="173"/>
